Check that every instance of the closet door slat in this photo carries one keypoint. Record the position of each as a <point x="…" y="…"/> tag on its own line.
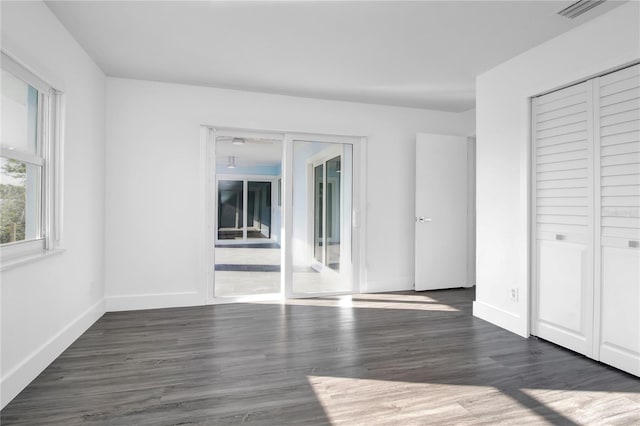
<point x="621" y="170"/>
<point x="565" y="130"/>
<point x="621" y="201"/>
<point x="619" y="128"/>
<point x="578" y="154"/>
<point x="578" y="108"/>
<point x="580" y="136"/>
<point x="618" y="211"/>
<point x="581" y="192"/>
<point x="560" y="148"/>
<point x="567" y="164"/>
<point x="620" y="97"/>
<point x="577" y="231"/>
<point x="561" y="99"/>
<point x="619" y="138"/>
<point x="607" y="181"/>
<point x="563" y="174"/>
<point x="564" y="120"/>
<point x="620" y="75"/>
<point x="620" y="117"/>
<point x="562" y="201"/>
<point x="618" y="85"/>
<point x="620" y="159"/>
<point x="617" y="235"/>
<point x="624" y="106"/>
<point x="623" y="148"/>
<point x="563" y="210"/>
<point x="620" y="190"/>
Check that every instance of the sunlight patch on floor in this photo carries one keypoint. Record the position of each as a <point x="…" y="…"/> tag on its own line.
<point x="398" y="297"/>
<point x="380" y="401"/>
<point x="589" y="406"/>
<point x="355" y="301"/>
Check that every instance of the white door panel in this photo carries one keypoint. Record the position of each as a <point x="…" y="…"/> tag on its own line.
<point x="563" y="211"/>
<point x="618" y="285"/>
<point x="441" y="212"/>
<point x="620" y="332"/>
<point x="565" y="295"/>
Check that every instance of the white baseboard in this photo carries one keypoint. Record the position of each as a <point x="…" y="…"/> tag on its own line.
<point x="14" y="381"/>
<point x="381" y="286"/>
<point x="153" y="301"/>
<point x="500" y="317"/>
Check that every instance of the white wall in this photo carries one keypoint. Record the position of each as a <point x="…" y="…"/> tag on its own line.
<point x="503" y="126"/>
<point x="155" y="212"/>
<point x="47" y="304"/>
<point x="471" y="211"/>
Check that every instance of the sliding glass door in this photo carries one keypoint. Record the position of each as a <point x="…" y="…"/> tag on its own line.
<point x="230" y="209"/>
<point x="258" y="209"/>
<point x="244" y="210"/>
<point x="247" y="216"/>
<point x="322" y="204"/>
<point x="283" y="215"/>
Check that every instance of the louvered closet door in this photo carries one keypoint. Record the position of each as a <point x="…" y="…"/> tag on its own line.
<point x="618" y="95"/>
<point x="563" y="207"/>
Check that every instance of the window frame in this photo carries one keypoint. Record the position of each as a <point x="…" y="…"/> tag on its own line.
<point x="49" y="158"/>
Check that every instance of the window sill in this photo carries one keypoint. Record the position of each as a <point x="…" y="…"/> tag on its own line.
<point x="23" y="260"/>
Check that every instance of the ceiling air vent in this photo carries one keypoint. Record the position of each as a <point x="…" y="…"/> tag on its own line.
<point x="579" y="7"/>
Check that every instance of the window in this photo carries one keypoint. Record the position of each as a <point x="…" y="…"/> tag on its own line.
<point x="28" y="164"/>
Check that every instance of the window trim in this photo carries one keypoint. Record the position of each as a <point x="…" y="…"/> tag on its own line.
<point x="49" y="158"/>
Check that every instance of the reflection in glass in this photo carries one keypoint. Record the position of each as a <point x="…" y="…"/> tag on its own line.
<point x="333" y="214"/>
<point x="19" y="114"/>
<point x="230" y="217"/>
<point x="321" y="238"/>
<point x="258" y="209"/>
<point x="318" y="216"/>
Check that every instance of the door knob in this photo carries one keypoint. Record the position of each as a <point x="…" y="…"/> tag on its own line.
<point x="423" y="219"/>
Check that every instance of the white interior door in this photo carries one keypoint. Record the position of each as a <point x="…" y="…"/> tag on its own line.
<point x="618" y="240"/>
<point x="563" y="213"/>
<point x="441" y="212"/>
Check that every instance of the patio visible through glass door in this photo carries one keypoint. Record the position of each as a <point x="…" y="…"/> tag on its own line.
<point x="247" y="235"/>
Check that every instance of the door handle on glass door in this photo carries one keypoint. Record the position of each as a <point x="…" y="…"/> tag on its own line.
<point x="423" y="219"/>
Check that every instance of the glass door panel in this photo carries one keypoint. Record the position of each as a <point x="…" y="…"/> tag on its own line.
<point x="258" y="210"/>
<point x="318" y="214"/>
<point x="247" y="252"/>
<point x="332" y="254"/>
<point x="230" y="209"/>
<point x="321" y="238"/>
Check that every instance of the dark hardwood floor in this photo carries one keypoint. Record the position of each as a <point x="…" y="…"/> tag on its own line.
<point x="398" y="359"/>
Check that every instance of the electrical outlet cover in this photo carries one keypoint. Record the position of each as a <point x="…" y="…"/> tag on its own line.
<point x="514" y="294"/>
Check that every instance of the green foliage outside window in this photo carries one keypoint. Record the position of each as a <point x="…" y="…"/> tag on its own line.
<point x="12" y="201"/>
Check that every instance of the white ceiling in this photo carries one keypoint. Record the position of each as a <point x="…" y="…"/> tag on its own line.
<point x="254" y="153"/>
<point x="418" y="54"/>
